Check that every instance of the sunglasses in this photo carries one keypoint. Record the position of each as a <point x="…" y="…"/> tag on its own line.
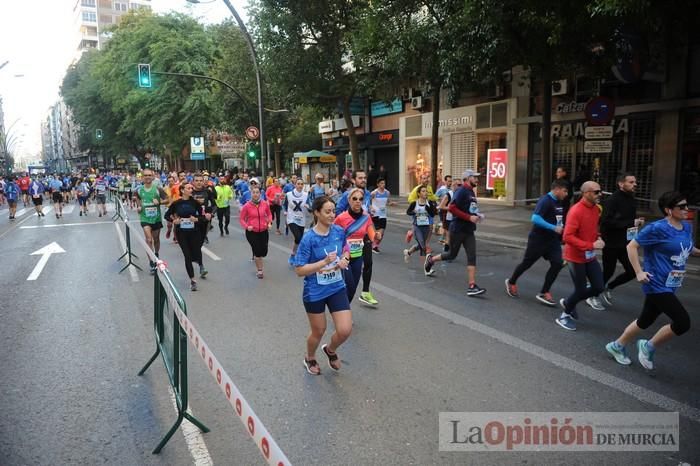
<point x="597" y="191"/>
<point x="357" y="198"/>
<point x="682" y="206"/>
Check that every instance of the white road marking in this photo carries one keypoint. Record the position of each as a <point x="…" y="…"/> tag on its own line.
<point x="122" y="241"/>
<point x="193" y="437"/>
<point x="54" y="225"/>
<point x="45" y="253"/>
<point x="628" y="388"/>
<point x="46" y="209"/>
<point x="22" y="211"/>
<point x="68" y="209"/>
<point x="210" y="254"/>
<point x="15" y="226"/>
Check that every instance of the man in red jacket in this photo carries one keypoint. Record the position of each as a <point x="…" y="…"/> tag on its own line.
<point x="581" y="239"/>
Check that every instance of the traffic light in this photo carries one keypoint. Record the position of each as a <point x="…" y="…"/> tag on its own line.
<point x="98" y="134"/>
<point x="252" y="150"/>
<point x="144" y="75"/>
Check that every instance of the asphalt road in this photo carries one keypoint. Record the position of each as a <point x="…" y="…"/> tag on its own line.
<point x="76" y="337"/>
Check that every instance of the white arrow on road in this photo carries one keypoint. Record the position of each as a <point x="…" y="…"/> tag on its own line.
<point x="45" y="253"/>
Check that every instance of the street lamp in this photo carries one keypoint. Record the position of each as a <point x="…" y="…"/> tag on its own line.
<point x="254" y="56"/>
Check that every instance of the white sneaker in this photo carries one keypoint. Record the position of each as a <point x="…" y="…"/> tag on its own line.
<point x="406" y="255"/>
<point x="595" y="303"/>
<point x="607" y="296"/>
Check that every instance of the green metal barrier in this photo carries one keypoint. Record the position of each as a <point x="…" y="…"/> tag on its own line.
<point x="171" y="344"/>
<point x="124" y="217"/>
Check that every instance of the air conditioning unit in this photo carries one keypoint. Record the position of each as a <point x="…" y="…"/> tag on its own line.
<point x="417" y="103"/>
<point x="560" y="87"/>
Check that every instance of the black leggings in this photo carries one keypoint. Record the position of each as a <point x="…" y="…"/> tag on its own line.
<point x="223" y="213"/>
<point x="581" y="274"/>
<point x="664" y="303"/>
<point x="191" y="244"/>
<point x="258" y="241"/>
<point x="297" y="232"/>
<point x="610" y="258"/>
<point x="457" y="239"/>
<point x="276" y="213"/>
<point x="366" y="265"/>
<point x="550" y="250"/>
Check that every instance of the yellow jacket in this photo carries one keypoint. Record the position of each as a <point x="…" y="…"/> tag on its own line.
<point x="414" y="194"/>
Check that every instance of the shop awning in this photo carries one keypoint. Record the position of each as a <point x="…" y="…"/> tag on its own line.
<point x="314" y="156"/>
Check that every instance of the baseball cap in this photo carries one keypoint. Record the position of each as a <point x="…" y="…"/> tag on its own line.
<point x="468" y="173"/>
<point x="254" y="180"/>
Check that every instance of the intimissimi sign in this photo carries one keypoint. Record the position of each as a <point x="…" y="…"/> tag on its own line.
<point x="578" y="128"/>
<point x="458" y="121"/>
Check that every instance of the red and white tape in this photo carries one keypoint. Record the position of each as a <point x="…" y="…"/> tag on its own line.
<point x="263" y="440"/>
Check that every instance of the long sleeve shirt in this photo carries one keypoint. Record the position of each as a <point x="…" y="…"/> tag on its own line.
<point x="580" y="232"/>
<point x="619" y="213"/>
<point x="256" y="215"/>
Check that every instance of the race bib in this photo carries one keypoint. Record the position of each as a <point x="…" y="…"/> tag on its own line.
<point x="422" y="219"/>
<point x="675" y="278"/>
<point x="589" y="255"/>
<point x="186" y="224"/>
<point x="330" y="274"/>
<point x="632" y="233"/>
<point x="298" y="217"/>
<point x="100" y="188"/>
<point x="151" y="211"/>
<point x="356" y="246"/>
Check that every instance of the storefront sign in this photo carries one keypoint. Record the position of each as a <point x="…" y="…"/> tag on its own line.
<point x="597" y="147"/>
<point x="578" y="128"/>
<point x="570" y="107"/>
<point x="458" y="121"/>
<point x="599" y="132"/>
<point x="230" y="148"/>
<point x="326" y="126"/>
<point x="380" y="107"/>
<point x="385" y="137"/>
<point x="497" y="162"/>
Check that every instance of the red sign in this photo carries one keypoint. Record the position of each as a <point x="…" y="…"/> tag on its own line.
<point x="385" y="137"/>
<point x="497" y="166"/>
<point x="252" y="133"/>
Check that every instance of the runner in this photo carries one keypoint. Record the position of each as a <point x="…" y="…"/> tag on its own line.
<point x="36" y="192"/>
<point x="443" y="194"/>
<point x="448" y="217"/>
<point x="318" y="189"/>
<point x="23" y="184"/>
<point x="295" y="206"/>
<point x="358" y="230"/>
<point x="423" y="212"/>
<point x="359" y="178"/>
<point x="3" y="183"/>
<point x="618" y="226"/>
<point x="12" y="193"/>
<point x="256" y="218"/>
<point x="274" y="197"/>
<point x="56" y="186"/>
<point x="224" y="194"/>
<point x="581" y="239"/>
<point x="101" y="195"/>
<point x="173" y="192"/>
<point x="321" y="257"/>
<point x="149" y="197"/>
<point x="185" y="213"/>
<point x="207" y="199"/>
<point x="83" y="193"/>
<point x="66" y="189"/>
<point x="413" y="196"/>
<point x="544" y="241"/>
<point x="667" y="245"/>
<point x="379" y="203"/>
<point x="465" y="208"/>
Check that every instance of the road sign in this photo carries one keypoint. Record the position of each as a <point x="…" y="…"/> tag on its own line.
<point x="45" y="253"/>
<point x="252" y="133"/>
<point x="197" y="148"/>
<point x="597" y="147"/>
<point x="599" y="111"/>
<point x="599" y="132"/>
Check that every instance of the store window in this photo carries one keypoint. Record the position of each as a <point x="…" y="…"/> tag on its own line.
<point x="486" y="141"/>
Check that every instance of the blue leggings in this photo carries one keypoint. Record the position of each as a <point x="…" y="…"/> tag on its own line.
<point x="352" y="276"/>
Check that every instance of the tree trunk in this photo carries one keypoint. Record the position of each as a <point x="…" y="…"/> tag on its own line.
<point x="434" y="137"/>
<point x="546" y="176"/>
<point x="352" y="135"/>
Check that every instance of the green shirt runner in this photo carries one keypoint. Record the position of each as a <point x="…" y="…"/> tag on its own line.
<point x="150" y="212"/>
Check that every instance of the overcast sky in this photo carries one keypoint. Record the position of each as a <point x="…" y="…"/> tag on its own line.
<point x="37" y="39"/>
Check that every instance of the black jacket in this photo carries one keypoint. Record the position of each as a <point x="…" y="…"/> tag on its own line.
<point x="619" y="212"/>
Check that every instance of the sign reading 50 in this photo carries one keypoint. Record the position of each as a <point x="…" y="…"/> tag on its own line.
<point x="497" y="163"/>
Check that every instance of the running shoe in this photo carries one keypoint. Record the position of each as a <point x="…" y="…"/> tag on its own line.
<point x="193" y="285"/>
<point x="332" y="358"/>
<point x="226" y="230"/>
<point x="646" y="357"/>
<point x="620" y="355"/>
<point x="81" y="213"/>
<point x="406" y="255"/>
<point x="607" y="296"/>
<point x="511" y="289"/>
<point x="566" y="322"/>
<point x="312" y="366"/>
<point x="573" y="312"/>
<point x="546" y="298"/>
<point x="202" y="271"/>
<point x="376" y="250"/>
<point x="428" y="266"/>
<point x="475" y="290"/>
<point x="56" y="215"/>
<point x="595" y="303"/>
<point x="259" y="274"/>
<point x="409" y="236"/>
<point x="428" y="250"/>
<point x="367" y="298"/>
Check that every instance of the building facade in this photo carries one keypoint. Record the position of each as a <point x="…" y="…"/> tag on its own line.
<point x="93" y="18"/>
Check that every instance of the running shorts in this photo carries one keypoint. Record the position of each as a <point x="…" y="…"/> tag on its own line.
<point x="57" y="197"/>
<point x="335" y="302"/>
<point x="154" y="226"/>
<point x="379" y="223"/>
<point x="38" y="200"/>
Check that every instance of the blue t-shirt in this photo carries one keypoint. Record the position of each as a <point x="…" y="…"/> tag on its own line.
<point x="11" y="191"/>
<point x="666" y="251"/>
<point x="288" y="187"/>
<point x="465" y="200"/>
<point x="547" y="208"/>
<point x="312" y="248"/>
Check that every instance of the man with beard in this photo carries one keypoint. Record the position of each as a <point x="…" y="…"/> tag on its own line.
<point x="465" y="209"/>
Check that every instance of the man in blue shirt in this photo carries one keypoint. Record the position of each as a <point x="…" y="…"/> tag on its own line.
<point x="12" y="194"/>
<point x="544" y="241"/>
<point x="667" y="245"/>
<point x="56" y="185"/>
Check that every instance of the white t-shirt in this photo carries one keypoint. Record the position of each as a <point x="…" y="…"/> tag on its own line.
<point x="296" y="207"/>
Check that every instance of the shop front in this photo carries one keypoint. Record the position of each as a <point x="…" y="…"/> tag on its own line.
<point x="307" y="164"/>
<point x="383" y="151"/>
<point x="478" y="137"/>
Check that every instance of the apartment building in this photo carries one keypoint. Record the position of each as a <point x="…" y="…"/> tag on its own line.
<point x="93" y="19"/>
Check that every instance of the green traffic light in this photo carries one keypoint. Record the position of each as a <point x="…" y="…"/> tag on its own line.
<point x="144" y="70"/>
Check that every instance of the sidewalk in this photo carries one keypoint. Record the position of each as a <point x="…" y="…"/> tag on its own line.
<point x="506" y="225"/>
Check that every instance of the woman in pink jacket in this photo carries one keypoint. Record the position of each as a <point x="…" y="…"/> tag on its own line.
<point x="255" y="219"/>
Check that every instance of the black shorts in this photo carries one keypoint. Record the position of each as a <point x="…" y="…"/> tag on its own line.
<point x="25" y="192"/>
<point x="379" y="223"/>
<point x="297" y="231"/>
<point x="154" y="226"/>
<point x="12" y="202"/>
<point x="258" y="242"/>
<point x="101" y="198"/>
<point x="335" y="302"/>
<point x="57" y="197"/>
<point x="38" y="200"/>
